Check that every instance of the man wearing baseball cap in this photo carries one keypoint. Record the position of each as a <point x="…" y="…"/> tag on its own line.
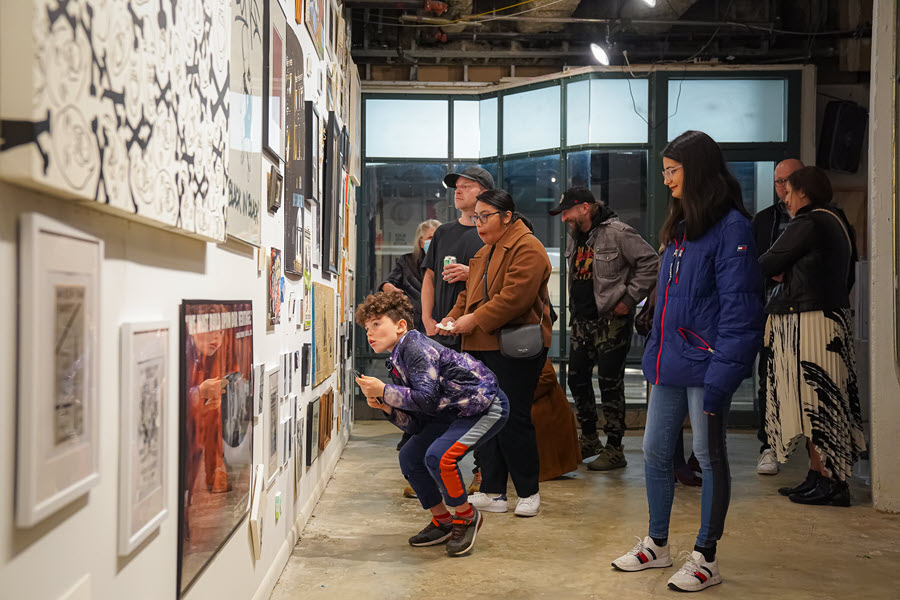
<point x="611" y="269"/>
<point x="458" y="239"/>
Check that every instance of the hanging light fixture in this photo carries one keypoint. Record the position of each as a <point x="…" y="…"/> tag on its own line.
<point x="600" y="54"/>
<point x="650" y="3"/>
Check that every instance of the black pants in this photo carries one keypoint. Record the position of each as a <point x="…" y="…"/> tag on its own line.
<point x="512" y="452"/>
<point x="761" y="399"/>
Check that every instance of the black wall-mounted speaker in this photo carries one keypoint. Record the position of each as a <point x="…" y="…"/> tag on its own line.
<point x="841" y="138"/>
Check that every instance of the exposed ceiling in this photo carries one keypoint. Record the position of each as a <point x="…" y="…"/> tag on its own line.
<point x="554" y="34"/>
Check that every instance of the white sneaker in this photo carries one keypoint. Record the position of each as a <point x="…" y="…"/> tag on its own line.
<point x="495" y="503"/>
<point x="644" y="555"/>
<point x="767" y="464"/>
<point x="696" y="574"/>
<point x="528" y="507"/>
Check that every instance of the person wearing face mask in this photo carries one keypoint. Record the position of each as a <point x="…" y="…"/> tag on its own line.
<point x="507" y="286"/>
<point x="811" y="390"/>
<point x="408" y="271"/>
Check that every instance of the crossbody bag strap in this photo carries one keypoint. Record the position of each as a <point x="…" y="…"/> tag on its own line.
<point x="487" y="264"/>
<point x="841" y="222"/>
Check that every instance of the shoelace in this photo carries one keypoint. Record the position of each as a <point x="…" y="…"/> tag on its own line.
<point x="638" y="548"/>
<point x="690" y="566"/>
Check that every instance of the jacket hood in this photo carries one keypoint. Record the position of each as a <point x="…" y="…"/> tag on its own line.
<point x="604" y="214"/>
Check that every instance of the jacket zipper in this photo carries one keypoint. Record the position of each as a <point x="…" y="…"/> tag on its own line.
<point x="705" y="345"/>
<point x="674" y="268"/>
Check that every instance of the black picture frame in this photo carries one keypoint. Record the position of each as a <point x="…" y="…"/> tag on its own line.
<point x="273" y="191"/>
<point x="313" y="137"/>
<point x="330" y="204"/>
<point x="312" y="432"/>
<point x="295" y="151"/>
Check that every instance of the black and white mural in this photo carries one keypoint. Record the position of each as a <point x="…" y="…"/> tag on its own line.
<point x="121" y="102"/>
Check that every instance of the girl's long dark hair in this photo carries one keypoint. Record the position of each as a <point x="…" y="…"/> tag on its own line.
<point x="501" y="200"/>
<point x="709" y="190"/>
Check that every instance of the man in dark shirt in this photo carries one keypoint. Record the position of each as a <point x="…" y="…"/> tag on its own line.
<point x="768" y="225"/>
<point x="459" y="239"/>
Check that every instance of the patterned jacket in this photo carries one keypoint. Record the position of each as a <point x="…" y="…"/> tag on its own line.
<point x="430" y="380"/>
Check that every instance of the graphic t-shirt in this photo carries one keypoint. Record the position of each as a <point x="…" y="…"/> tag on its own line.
<point x="450" y="239"/>
<point x="582" y="303"/>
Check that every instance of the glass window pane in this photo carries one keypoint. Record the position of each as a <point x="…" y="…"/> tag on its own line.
<point x="618" y="179"/>
<point x="474" y="128"/>
<point x="490" y="167"/>
<point x="729" y="110"/>
<point x="531" y="120"/>
<point x="407" y="128"/>
<point x="757" y="180"/>
<point x="607" y="111"/>
<point x="487" y="113"/>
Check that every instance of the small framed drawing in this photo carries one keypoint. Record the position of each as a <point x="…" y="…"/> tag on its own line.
<point x="143" y="411"/>
<point x="275" y="181"/>
<point x="58" y="410"/>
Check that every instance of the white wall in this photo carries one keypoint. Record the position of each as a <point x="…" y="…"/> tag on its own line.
<point x="146" y="273"/>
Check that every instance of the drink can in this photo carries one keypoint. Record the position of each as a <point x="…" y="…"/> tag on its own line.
<point x="449" y="260"/>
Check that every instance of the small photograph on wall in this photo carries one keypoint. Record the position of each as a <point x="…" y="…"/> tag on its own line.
<point x="274" y="303"/>
<point x="323" y="332"/>
<point x="216" y="429"/>
<point x="274" y="67"/>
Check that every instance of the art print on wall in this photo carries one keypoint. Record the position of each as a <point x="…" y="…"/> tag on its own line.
<point x="58" y="410"/>
<point x="313" y="140"/>
<point x="326" y="419"/>
<point x="323" y="332"/>
<point x="244" y="210"/>
<point x="295" y="165"/>
<point x="331" y="196"/>
<point x="271" y="428"/>
<point x="259" y="389"/>
<point x="273" y="189"/>
<point x="122" y="104"/>
<point x="143" y="410"/>
<point x="312" y="432"/>
<point x="274" y="296"/>
<point x="274" y="68"/>
<point x="315" y="24"/>
<point x="216" y="429"/>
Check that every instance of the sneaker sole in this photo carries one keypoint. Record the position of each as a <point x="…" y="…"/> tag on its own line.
<point x="642" y="567"/>
<point x="493" y="509"/>
<point x="441" y="540"/>
<point x="607" y="468"/>
<point x="702" y="586"/>
<point x="763" y="472"/>
<point x="472" y="543"/>
<point x="527" y="515"/>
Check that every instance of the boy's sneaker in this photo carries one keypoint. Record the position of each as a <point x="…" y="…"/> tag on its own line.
<point x="696" y="574"/>
<point x="528" y="507"/>
<point x="590" y="446"/>
<point x="767" y="464"/>
<point x="462" y="538"/>
<point x="611" y="457"/>
<point x="434" y="533"/>
<point x="489" y="503"/>
<point x="644" y="555"/>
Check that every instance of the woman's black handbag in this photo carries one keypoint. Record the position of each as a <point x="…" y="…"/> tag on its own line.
<point x="517" y="341"/>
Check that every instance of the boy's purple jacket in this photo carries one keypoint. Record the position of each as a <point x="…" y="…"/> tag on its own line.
<point x="429" y="379"/>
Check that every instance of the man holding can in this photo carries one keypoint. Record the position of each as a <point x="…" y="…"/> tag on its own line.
<point x="452" y="247"/>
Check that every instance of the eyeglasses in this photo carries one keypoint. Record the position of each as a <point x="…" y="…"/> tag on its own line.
<point x="476" y="219"/>
<point x="781" y="181"/>
<point x="670" y="172"/>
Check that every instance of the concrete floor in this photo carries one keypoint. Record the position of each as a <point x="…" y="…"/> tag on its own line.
<point x="355" y="543"/>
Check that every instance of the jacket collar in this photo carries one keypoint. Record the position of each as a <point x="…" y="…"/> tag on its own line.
<point x="514" y="232"/>
<point x="494" y="256"/>
<point x="803" y="210"/>
<point x="393" y="362"/>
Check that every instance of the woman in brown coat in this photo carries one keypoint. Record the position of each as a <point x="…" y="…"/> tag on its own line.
<point x="516" y="268"/>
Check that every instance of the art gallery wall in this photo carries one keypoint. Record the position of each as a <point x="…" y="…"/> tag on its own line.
<point x="146" y="273"/>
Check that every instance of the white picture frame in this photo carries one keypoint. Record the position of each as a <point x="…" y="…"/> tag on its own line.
<point x="57" y="454"/>
<point x="272" y="422"/>
<point x="143" y="410"/>
<point x="257" y="510"/>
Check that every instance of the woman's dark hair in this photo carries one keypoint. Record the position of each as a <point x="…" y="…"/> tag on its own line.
<point x="709" y="190"/>
<point x="813" y="182"/>
<point x="502" y="201"/>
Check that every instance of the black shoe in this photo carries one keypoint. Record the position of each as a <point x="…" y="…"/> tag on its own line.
<point x="462" y="540"/>
<point x="433" y="534"/>
<point x="812" y="478"/>
<point x="827" y="492"/>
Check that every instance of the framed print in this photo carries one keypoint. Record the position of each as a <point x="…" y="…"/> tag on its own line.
<point x="315" y="24"/>
<point x="143" y="411"/>
<point x="274" y="69"/>
<point x="216" y="460"/>
<point x="273" y="192"/>
<point x="259" y="389"/>
<point x="57" y="453"/>
<point x="245" y="121"/>
<point x="299" y="460"/>
<point x="323" y="332"/>
<point x="312" y="432"/>
<point x="330" y="202"/>
<point x="295" y="165"/>
<point x="274" y="300"/>
<point x="313" y="138"/>
<point x="305" y="361"/>
<point x="271" y="426"/>
<point x="257" y="510"/>
<point x="298" y="11"/>
<point x="326" y="419"/>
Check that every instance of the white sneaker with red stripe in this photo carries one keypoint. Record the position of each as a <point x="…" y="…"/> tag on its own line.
<point x="696" y="574"/>
<point x="644" y="555"/>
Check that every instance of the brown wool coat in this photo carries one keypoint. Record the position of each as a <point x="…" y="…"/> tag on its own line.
<point x="517" y="281"/>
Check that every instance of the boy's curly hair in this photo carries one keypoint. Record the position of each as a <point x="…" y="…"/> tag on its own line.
<point x="394" y="305"/>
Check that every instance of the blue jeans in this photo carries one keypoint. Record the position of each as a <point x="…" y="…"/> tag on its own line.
<point x="665" y="417"/>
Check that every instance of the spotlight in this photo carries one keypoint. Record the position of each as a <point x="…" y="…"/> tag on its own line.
<point x="600" y="54"/>
<point x="650" y="3"/>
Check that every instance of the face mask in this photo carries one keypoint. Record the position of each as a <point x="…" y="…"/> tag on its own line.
<point x="425" y="245"/>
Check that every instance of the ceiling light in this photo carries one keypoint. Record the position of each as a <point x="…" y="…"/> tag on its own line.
<point x="600" y="54"/>
<point x="650" y="3"/>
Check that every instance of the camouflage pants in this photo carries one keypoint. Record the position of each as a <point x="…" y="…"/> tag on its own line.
<point x="604" y="342"/>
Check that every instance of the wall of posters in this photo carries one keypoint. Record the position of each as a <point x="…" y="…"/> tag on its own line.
<point x="216" y="429"/>
<point x="295" y="165"/>
<point x="274" y="68"/>
<point x="120" y="120"/>
<point x="323" y="332"/>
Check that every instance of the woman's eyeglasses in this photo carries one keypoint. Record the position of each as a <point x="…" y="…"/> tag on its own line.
<point x="476" y="219"/>
<point x="670" y="172"/>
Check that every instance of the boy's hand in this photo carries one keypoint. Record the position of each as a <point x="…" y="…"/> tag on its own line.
<point x="465" y="324"/>
<point x="371" y="387"/>
<point x="376" y="403"/>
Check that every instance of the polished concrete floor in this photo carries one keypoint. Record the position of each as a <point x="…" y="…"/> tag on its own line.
<point x="355" y="543"/>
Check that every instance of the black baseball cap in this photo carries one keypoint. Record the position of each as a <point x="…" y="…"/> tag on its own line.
<point x="476" y="174"/>
<point x="573" y="196"/>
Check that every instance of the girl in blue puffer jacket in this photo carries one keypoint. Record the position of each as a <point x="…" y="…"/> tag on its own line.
<point x="707" y="329"/>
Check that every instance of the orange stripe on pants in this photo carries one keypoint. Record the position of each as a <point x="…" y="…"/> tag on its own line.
<point x="449" y="473"/>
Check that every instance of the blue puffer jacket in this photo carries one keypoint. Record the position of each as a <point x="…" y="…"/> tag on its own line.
<point x="708" y="321"/>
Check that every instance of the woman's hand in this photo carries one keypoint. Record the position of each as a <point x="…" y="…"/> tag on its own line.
<point x="371" y="387"/>
<point x="465" y="324"/>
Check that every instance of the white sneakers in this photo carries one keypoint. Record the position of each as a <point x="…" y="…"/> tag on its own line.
<point x="767" y="464"/>
<point x="528" y="507"/>
<point x="497" y="503"/>
<point x="696" y="574"/>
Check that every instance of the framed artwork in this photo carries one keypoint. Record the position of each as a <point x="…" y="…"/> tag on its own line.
<point x="259" y="389"/>
<point x="274" y="69"/>
<point x="315" y="24"/>
<point x="58" y="406"/>
<point x="298" y="11"/>
<point x="245" y="120"/>
<point x="299" y="461"/>
<point x="329" y="87"/>
<point x="330" y="202"/>
<point x="216" y="460"/>
<point x="313" y="137"/>
<point x="305" y="361"/>
<point x="295" y="165"/>
<point x="273" y="190"/>
<point x="257" y="510"/>
<point x="312" y="432"/>
<point x="143" y="410"/>
<point x="271" y="424"/>
<point x="323" y="332"/>
<point x="313" y="227"/>
<point x="353" y="125"/>
<point x="274" y="300"/>
<point x="326" y="419"/>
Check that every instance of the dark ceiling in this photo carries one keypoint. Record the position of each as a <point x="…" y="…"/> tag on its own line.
<point x="557" y="33"/>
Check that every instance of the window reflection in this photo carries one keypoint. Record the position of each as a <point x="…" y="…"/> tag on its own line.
<point x="757" y="181"/>
<point x="618" y="179"/>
